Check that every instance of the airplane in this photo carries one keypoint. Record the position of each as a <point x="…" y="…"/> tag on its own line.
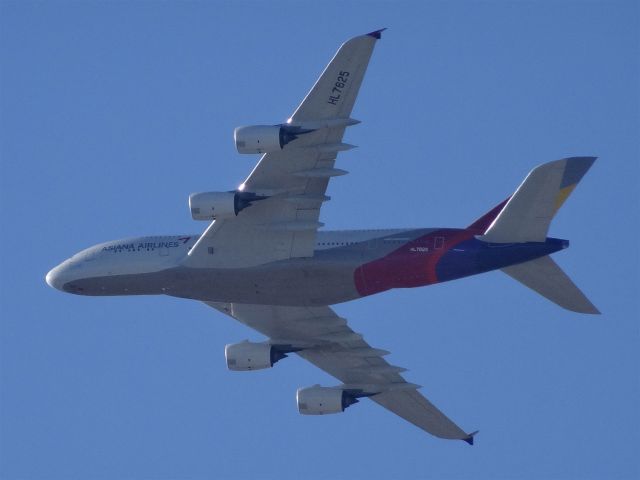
<point x="263" y="261"/>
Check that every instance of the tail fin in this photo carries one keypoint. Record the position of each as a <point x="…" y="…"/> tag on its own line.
<point x="528" y="213"/>
<point x="481" y="225"/>
<point x="544" y="276"/>
<point x="525" y="217"/>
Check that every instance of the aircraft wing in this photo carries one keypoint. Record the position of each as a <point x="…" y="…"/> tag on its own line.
<point x="294" y="179"/>
<point x="326" y="341"/>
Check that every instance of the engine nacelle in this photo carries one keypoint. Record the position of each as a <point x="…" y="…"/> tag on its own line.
<point x="265" y="138"/>
<point x="319" y="400"/>
<point x="210" y="205"/>
<point x="251" y="356"/>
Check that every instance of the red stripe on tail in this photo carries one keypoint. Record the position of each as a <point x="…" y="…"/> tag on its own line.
<point x="482" y="224"/>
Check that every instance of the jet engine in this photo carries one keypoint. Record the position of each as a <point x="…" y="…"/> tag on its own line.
<point x="247" y="355"/>
<point x="319" y="400"/>
<point x="266" y="138"/>
<point x="211" y="205"/>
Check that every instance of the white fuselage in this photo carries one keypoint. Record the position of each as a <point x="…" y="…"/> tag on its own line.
<point x="154" y="265"/>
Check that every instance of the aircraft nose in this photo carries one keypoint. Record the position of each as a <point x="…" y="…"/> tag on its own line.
<point x="56" y="277"/>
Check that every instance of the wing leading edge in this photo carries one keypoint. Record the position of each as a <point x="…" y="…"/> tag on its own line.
<point x="294" y="179"/>
<point x="329" y="343"/>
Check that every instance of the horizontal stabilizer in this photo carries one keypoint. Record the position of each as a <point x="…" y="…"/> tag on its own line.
<point x="544" y="276"/>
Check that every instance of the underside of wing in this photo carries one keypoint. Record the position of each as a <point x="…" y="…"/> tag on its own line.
<point x="289" y="182"/>
<point x="323" y="338"/>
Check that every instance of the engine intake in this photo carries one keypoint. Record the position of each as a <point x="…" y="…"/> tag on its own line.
<point x="266" y="138"/>
<point x="319" y="400"/>
<point x="247" y="355"/>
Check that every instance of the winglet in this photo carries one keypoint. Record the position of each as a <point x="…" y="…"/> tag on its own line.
<point x="469" y="439"/>
<point x="377" y="34"/>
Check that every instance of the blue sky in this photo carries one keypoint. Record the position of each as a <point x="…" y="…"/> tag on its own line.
<point x="112" y="113"/>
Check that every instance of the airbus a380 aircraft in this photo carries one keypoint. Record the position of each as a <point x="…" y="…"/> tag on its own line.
<point x="263" y="261"/>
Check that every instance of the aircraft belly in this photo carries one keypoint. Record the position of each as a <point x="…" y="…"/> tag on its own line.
<point x="115" y="285"/>
<point x="331" y="276"/>
<point x="299" y="282"/>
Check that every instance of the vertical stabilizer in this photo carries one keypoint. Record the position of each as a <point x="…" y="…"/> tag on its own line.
<point x="484" y="222"/>
<point x="529" y="211"/>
